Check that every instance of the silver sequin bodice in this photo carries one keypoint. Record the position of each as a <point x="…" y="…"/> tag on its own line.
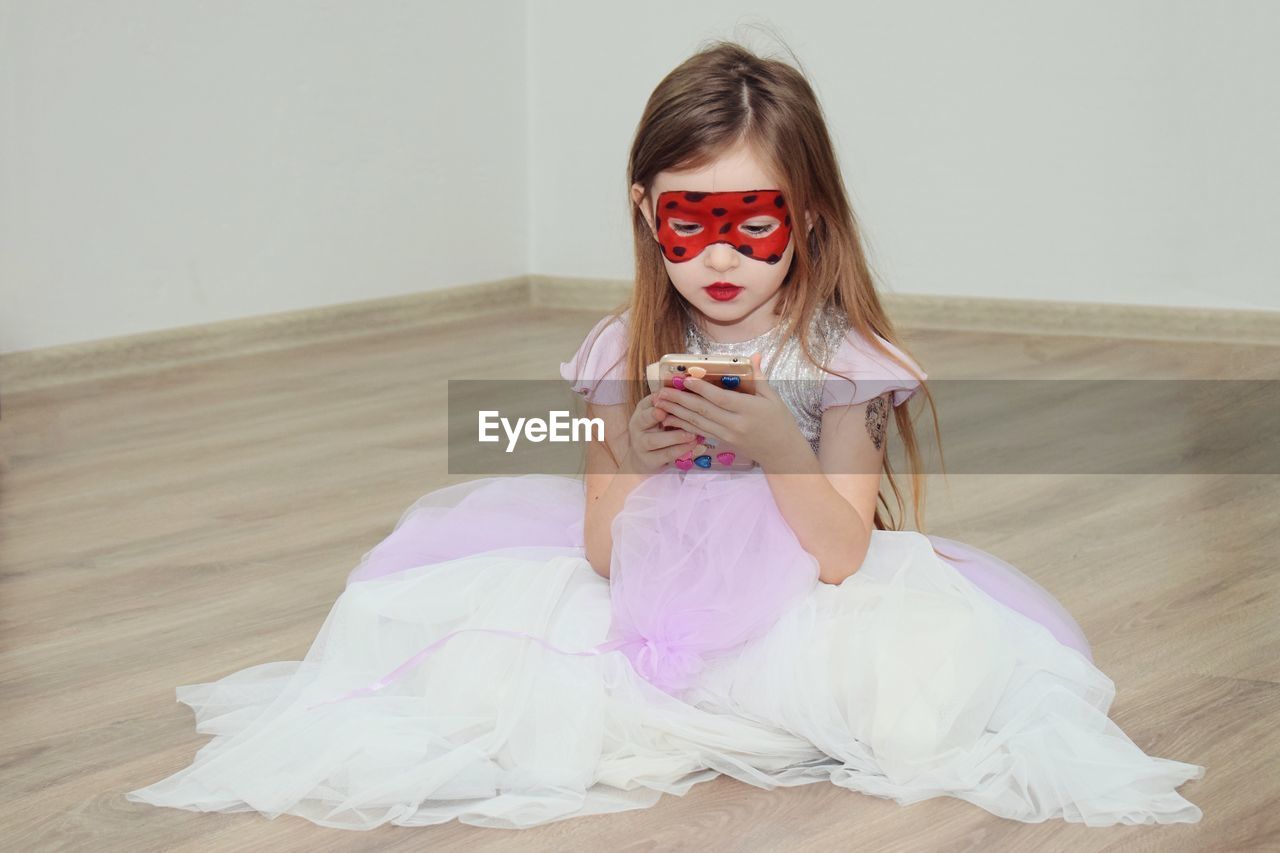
<point x="798" y="381"/>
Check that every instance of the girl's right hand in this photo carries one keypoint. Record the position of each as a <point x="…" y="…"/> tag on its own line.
<point x="653" y="447"/>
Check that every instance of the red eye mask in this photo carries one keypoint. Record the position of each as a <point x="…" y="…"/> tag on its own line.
<point x="721" y="218"/>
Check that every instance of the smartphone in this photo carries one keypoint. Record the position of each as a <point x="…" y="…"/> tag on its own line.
<point x="725" y="371"/>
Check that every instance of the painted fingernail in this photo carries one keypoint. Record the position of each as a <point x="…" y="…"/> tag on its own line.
<point x="678" y="382"/>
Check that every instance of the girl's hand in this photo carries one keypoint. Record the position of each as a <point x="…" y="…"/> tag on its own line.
<point x="759" y="425"/>
<point x="651" y="447"/>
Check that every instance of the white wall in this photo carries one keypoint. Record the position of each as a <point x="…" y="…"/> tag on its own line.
<point x="168" y="162"/>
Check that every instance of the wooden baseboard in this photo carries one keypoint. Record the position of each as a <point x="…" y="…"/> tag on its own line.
<point x="113" y="356"/>
<point x="1087" y="319"/>
<point x="50" y="366"/>
<point x="1009" y="316"/>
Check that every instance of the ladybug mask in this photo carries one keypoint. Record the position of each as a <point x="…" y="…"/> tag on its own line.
<point x="702" y="219"/>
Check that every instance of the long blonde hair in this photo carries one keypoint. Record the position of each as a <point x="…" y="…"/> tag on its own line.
<point x="722" y="97"/>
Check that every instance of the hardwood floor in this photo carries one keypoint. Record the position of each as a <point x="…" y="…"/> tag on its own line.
<point x="174" y="525"/>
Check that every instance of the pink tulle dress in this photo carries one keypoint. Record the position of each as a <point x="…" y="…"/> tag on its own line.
<point x="477" y="668"/>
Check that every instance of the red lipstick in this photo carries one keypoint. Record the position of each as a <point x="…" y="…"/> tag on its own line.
<point x="723" y="291"/>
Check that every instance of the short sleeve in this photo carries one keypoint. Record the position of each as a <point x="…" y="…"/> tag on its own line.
<point x="594" y="370"/>
<point x="871" y="371"/>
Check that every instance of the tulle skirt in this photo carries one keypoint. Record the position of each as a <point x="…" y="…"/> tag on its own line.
<point x="477" y="668"/>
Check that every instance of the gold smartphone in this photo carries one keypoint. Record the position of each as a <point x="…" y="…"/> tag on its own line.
<point x="725" y="371"/>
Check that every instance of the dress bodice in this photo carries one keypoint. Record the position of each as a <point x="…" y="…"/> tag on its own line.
<point x="798" y="381"/>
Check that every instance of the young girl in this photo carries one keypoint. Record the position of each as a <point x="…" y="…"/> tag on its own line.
<point x="522" y="650"/>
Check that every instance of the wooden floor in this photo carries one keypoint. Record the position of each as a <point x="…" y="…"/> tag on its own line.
<point x="176" y="525"/>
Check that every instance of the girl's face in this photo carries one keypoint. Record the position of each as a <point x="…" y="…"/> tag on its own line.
<point x="755" y="259"/>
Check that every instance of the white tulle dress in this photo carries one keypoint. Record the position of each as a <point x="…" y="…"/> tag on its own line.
<point x="919" y="676"/>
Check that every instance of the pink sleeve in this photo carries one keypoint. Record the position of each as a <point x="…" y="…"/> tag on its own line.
<point x="602" y="356"/>
<point x="873" y="373"/>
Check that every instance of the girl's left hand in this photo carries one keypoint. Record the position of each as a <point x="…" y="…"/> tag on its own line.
<point x="759" y="425"/>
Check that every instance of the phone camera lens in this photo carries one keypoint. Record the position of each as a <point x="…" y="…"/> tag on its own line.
<point x="681" y="367"/>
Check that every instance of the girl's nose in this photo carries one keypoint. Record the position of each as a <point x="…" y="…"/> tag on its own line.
<point x="722" y="256"/>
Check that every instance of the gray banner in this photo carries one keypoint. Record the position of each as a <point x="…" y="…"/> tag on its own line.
<point x="988" y="426"/>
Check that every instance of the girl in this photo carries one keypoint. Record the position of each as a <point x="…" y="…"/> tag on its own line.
<point x="665" y="623"/>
